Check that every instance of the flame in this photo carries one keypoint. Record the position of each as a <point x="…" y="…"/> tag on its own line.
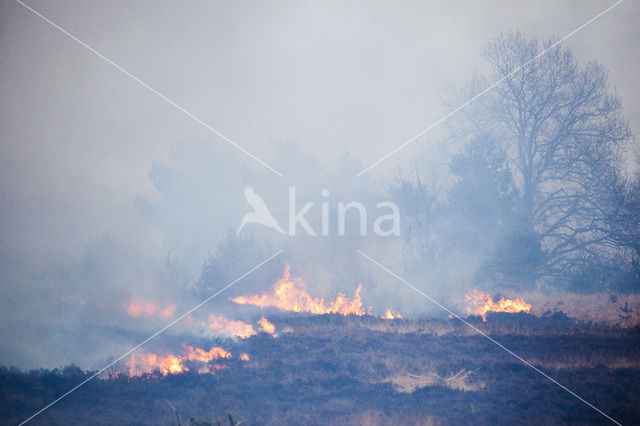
<point x="197" y="354"/>
<point x="483" y="303"/>
<point x="147" y="363"/>
<point x="138" y="307"/>
<point x="389" y="314"/>
<point x="230" y="327"/>
<point x="267" y="326"/>
<point x="290" y="294"/>
<point x="244" y="357"/>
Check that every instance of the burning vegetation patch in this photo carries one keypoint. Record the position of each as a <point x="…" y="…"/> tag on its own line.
<point x="342" y="346"/>
<point x="226" y="327"/>
<point x="266" y="326"/>
<point x="290" y="294"/>
<point x="484" y="302"/>
<point x="190" y="358"/>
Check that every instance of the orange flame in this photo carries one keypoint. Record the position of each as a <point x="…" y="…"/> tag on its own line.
<point x="483" y="303"/>
<point x="389" y="314"/>
<point x="244" y="357"/>
<point x="290" y="294"/>
<point x="197" y="354"/>
<point x="230" y="327"/>
<point x="146" y="363"/>
<point x="267" y="326"/>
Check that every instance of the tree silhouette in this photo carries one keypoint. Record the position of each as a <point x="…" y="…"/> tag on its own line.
<point x="562" y="133"/>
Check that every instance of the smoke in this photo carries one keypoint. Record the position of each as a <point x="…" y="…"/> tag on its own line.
<point x="108" y="194"/>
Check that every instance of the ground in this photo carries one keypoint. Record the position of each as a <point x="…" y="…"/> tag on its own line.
<point x="334" y="369"/>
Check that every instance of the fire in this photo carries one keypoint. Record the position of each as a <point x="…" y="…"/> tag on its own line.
<point x="240" y="329"/>
<point x="267" y="326"/>
<point x="483" y="303"/>
<point x="147" y="363"/>
<point x="230" y="327"/>
<point x="389" y="314"/>
<point x="138" y="307"/>
<point x="244" y="357"/>
<point x="290" y="294"/>
<point x="197" y="354"/>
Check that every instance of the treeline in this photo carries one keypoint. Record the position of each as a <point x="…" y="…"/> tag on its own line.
<point x="543" y="186"/>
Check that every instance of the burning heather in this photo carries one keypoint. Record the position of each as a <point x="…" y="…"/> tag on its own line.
<point x="222" y="325"/>
<point x="197" y="354"/>
<point x="191" y="357"/>
<point x="290" y="294"/>
<point x="389" y="314"/>
<point x="233" y="328"/>
<point x="266" y="326"/>
<point x="483" y="303"/>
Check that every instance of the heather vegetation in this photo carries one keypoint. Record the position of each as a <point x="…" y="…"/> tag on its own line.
<point x="367" y="371"/>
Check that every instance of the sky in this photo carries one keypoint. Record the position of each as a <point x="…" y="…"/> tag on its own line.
<point x="89" y="155"/>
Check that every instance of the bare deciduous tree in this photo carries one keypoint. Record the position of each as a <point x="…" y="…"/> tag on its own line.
<point x="563" y="133"/>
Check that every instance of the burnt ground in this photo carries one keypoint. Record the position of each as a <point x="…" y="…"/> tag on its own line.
<point x="351" y="370"/>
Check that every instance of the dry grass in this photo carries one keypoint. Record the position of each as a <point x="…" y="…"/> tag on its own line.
<point x="429" y="327"/>
<point x="574" y="362"/>
<point x="409" y="383"/>
<point x="622" y="310"/>
<point x="601" y="308"/>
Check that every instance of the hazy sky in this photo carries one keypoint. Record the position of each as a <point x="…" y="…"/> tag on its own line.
<point x="79" y="138"/>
